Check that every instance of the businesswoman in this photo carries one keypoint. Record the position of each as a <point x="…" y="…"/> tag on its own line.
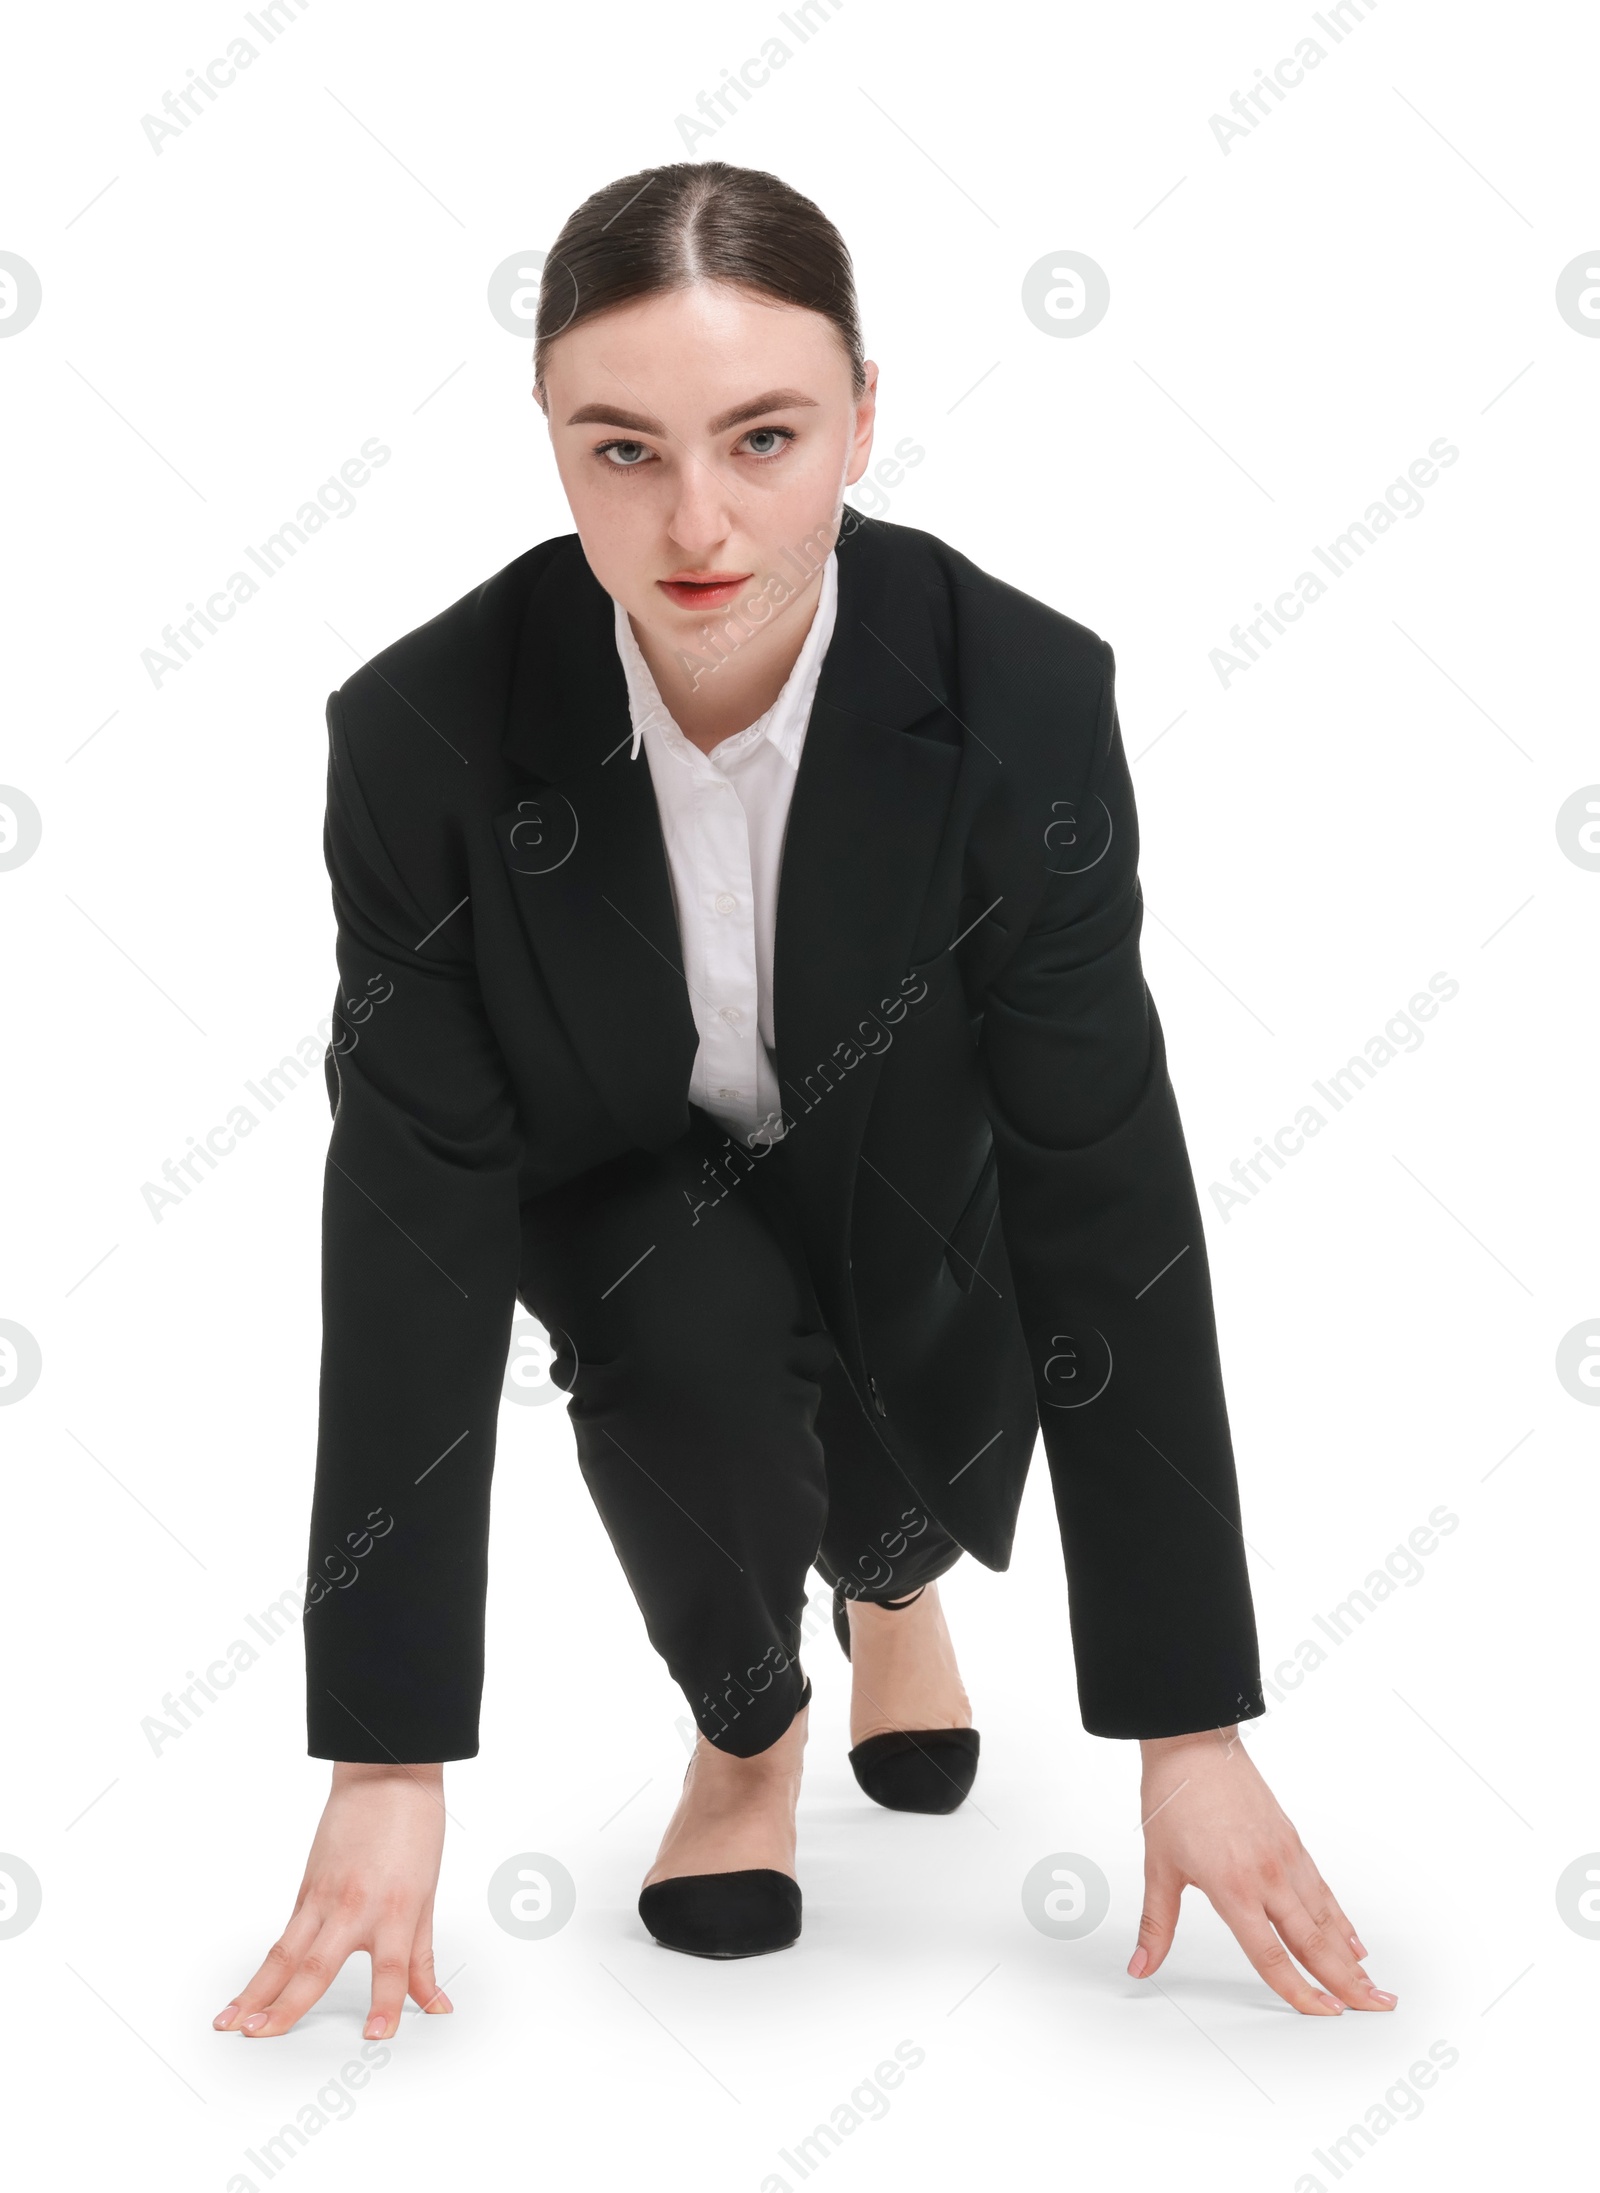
<point x="738" y="937"/>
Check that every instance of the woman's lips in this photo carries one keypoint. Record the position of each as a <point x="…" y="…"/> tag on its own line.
<point x="709" y="593"/>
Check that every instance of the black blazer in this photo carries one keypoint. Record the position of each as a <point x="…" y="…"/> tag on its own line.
<point x="1000" y="1215"/>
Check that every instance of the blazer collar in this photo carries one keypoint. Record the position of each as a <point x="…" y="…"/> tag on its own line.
<point x="782" y="725"/>
<point x="568" y="707"/>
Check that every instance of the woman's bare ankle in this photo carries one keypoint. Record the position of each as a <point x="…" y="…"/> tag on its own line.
<point x="735" y="1813"/>
<point x="904" y="1670"/>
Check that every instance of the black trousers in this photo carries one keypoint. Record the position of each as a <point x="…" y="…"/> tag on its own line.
<point x="717" y="1431"/>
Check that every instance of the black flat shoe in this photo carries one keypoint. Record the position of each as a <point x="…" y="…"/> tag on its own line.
<point x="917" y="1770"/>
<point x="741" y="1914"/>
<point x="910" y="1770"/>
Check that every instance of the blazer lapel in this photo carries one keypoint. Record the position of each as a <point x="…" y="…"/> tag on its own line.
<point x="580" y="834"/>
<point x="581" y="837"/>
<point x="870" y="801"/>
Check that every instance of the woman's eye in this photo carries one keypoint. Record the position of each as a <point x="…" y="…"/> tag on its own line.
<point x="623" y="456"/>
<point x="773" y="437"/>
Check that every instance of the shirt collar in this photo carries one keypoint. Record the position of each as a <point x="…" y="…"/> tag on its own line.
<point x="784" y="723"/>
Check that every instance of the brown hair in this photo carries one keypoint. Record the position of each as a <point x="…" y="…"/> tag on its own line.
<point x="696" y="220"/>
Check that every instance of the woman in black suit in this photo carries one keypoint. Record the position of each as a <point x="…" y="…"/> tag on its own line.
<point x="738" y="938"/>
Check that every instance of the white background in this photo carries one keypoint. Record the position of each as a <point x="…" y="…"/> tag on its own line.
<point x="1375" y="801"/>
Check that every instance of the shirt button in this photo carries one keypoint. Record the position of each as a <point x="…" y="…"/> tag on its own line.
<point x="731" y="1012"/>
<point x="725" y="902"/>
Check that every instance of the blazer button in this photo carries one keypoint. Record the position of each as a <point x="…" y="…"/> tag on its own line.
<point x="877" y="1398"/>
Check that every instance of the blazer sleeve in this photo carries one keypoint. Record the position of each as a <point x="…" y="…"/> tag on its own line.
<point x="1103" y="1232"/>
<point x="420" y="1239"/>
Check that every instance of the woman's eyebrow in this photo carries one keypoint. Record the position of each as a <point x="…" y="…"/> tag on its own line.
<point x="640" y="422"/>
<point x="776" y="399"/>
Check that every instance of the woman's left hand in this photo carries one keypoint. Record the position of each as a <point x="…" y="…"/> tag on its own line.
<point x="1210" y="1819"/>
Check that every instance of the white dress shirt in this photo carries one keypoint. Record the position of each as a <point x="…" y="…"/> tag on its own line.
<point x="723" y="817"/>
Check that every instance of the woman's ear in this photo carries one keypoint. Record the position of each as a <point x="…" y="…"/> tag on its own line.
<point x="866" y="418"/>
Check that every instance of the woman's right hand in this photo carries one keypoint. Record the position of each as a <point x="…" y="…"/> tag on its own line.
<point x="369" y="1884"/>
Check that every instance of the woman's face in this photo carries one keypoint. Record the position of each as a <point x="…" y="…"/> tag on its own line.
<point x="705" y="438"/>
